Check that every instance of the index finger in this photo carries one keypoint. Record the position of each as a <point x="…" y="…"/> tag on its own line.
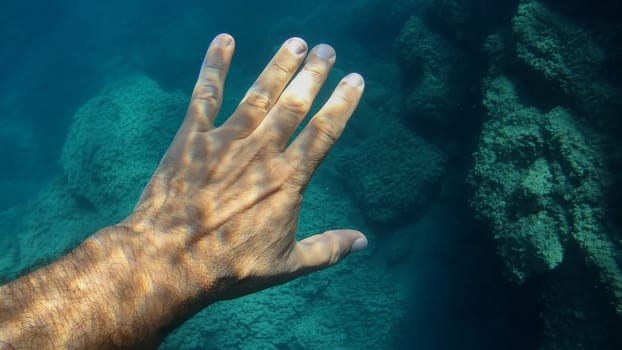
<point x="308" y="150"/>
<point x="207" y="94"/>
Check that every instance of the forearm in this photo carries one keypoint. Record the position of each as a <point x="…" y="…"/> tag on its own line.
<point x="96" y="296"/>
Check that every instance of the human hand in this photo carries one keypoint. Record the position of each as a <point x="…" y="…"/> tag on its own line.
<point x="223" y="205"/>
<point x="217" y="220"/>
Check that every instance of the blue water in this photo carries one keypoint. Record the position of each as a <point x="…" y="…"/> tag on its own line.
<point x="434" y="275"/>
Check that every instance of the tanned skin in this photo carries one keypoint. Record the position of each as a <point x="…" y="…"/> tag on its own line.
<point x="217" y="220"/>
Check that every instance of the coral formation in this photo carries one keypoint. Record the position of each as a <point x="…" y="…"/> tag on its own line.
<point x="140" y="119"/>
<point x="112" y="148"/>
<point x="540" y="182"/>
<point x="430" y="66"/>
<point x="466" y="22"/>
<point x="544" y="170"/>
<point x="565" y="58"/>
<point x="393" y="173"/>
<point x="42" y="229"/>
<point x="434" y="70"/>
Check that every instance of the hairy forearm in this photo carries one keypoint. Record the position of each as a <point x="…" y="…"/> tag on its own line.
<point x="96" y="296"/>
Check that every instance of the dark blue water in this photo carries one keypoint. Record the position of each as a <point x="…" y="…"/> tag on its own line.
<point x="483" y="162"/>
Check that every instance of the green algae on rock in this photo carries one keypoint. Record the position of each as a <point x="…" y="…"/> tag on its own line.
<point x="540" y="184"/>
<point x="117" y="140"/>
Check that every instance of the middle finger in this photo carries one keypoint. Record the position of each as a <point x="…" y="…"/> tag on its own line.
<point x="296" y="100"/>
<point x="267" y="88"/>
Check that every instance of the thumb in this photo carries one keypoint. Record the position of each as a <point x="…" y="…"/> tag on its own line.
<point x="326" y="249"/>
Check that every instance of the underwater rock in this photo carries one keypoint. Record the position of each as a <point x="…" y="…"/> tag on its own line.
<point x="44" y="228"/>
<point x="540" y="182"/>
<point x="466" y="22"/>
<point x="566" y="59"/>
<point x="392" y="174"/>
<point x="117" y="140"/>
<point x="114" y="144"/>
<point x="433" y="73"/>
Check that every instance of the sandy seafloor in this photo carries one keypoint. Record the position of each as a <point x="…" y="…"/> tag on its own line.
<point x="483" y="162"/>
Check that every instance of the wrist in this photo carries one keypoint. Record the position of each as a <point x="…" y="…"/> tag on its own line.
<point x="108" y="292"/>
<point x="145" y="285"/>
<point x="180" y="253"/>
<point x="42" y="308"/>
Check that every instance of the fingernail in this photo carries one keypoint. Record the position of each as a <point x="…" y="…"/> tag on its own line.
<point x="359" y="244"/>
<point x="324" y="51"/>
<point x="223" y="40"/>
<point x="353" y="79"/>
<point x="296" y="46"/>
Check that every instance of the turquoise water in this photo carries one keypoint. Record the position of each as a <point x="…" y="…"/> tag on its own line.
<point x="483" y="161"/>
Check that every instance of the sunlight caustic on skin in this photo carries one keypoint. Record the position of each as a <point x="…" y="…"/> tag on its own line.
<point x="217" y="220"/>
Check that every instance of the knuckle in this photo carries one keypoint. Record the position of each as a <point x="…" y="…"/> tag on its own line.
<point x="214" y="63"/>
<point x="208" y="93"/>
<point x="325" y="126"/>
<point x="258" y="101"/>
<point x="342" y="98"/>
<point x="295" y="104"/>
<point x="335" y="256"/>
<point x="281" y="68"/>
<point x="315" y="74"/>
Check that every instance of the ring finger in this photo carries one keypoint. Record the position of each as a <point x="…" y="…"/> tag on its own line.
<point x="262" y="95"/>
<point x="296" y="100"/>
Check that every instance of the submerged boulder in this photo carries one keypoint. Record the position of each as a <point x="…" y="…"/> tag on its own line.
<point x="566" y="59"/>
<point x="116" y="141"/>
<point x="392" y="174"/>
<point x="540" y="181"/>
